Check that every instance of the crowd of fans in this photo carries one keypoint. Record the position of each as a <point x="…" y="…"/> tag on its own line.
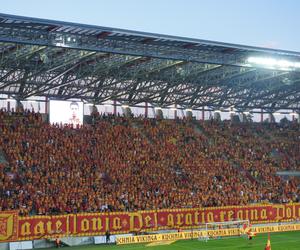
<point x="128" y="164"/>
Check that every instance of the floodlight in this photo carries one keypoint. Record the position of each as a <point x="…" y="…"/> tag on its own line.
<point x="274" y="63"/>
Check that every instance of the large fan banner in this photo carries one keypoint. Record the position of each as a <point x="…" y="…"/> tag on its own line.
<point x="14" y="227"/>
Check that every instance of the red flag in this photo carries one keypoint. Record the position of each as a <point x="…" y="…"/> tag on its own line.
<point x="268" y="246"/>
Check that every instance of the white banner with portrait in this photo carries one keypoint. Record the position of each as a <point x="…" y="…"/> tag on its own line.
<point x="66" y="112"/>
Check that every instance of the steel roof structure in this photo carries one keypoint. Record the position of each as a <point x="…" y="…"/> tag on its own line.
<point x="64" y="60"/>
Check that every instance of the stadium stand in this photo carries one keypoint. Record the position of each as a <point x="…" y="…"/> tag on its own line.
<point x="128" y="164"/>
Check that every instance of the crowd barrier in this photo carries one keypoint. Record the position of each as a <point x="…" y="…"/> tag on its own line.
<point x="16" y="228"/>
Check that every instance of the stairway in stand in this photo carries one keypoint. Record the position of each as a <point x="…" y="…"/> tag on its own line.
<point x="2" y="157"/>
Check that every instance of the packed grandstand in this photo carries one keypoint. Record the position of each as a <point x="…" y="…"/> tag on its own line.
<point x="122" y="163"/>
<point x="87" y="149"/>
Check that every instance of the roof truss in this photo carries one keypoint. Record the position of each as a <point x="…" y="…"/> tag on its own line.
<point x="66" y="60"/>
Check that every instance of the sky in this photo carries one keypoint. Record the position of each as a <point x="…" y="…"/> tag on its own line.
<point x="263" y="23"/>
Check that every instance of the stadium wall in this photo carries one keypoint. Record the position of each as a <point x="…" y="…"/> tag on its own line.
<point x="16" y="228"/>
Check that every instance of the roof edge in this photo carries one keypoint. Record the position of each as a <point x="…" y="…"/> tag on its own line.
<point x="151" y="35"/>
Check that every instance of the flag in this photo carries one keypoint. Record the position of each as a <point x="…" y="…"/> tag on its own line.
<point x="268" y="246"/>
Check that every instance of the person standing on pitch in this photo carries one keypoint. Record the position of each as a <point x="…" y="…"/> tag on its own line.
<point x="107" y="234"/>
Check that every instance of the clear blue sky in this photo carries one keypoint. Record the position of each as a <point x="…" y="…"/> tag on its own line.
<point x="267" y="23"/>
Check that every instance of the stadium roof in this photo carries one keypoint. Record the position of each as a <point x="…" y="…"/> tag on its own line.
<point x="64" y="60"/>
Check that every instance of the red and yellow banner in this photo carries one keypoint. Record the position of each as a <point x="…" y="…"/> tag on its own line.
<point x="14" y="228"/>
<point x="37" y="227"/>
<point x="8" y="226"/>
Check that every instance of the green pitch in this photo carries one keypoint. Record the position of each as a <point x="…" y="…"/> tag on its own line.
<point x="279" y="241"/>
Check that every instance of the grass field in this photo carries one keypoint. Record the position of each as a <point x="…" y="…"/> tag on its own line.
<point x="279" y="241"/>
